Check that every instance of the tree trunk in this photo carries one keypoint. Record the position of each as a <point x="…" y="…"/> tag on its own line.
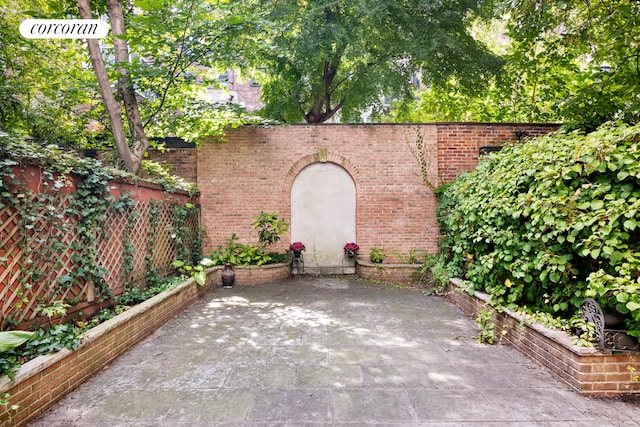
<point x="132" y="158"/>
<point x="125" y="86"/>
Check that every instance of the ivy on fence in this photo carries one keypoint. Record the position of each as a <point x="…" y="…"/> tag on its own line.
<point x="64" y="237"/>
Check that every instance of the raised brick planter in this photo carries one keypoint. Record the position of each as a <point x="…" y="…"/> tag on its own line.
<point x="43" y="381"/>
<point x="399" y="274"/>
<point x="255" y="275"/>
<point x="589" y="371"/>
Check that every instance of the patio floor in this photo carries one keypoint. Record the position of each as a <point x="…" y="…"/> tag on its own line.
<point x="314" y="351"/>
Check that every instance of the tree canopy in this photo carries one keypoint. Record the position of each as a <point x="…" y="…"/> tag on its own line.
<point x="571" y="61"/>
<point x="158" y="66"/>
<point x="44" y="91"/>
<point x="575" y="62"/>
<point x="344" y="55"/>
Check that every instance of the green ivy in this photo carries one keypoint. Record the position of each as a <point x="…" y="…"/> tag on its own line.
<point x="188" y="243"/>
<point x="57" y="212"/>
<point x="545" y="224"/>
<point x="81" y="214"/>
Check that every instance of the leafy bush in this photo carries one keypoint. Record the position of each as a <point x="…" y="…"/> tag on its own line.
<point x="547" y="223"/>
<point x="56" y="338"/>
<point x="416" y="256"/>
<point x="376" y="255"/>
<point x="232" y="252"/>
<point x="269" y="229"/>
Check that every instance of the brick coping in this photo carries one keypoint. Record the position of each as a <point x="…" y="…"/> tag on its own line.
<point x="588" y="370"/>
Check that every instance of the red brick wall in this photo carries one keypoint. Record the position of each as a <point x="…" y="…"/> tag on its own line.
<point x="181" y="160"/>
<point x="459" y="143"/>
<point x="253" y="168"/>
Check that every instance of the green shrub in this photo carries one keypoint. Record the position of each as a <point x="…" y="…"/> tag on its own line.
<point x="232" y="252"/>
<point x="376" y="255"/>
<point x="269" y="228"/>
<point x="552" y="221"/>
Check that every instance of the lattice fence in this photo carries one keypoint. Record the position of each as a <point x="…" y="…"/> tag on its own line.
<point x="39" y="248"/>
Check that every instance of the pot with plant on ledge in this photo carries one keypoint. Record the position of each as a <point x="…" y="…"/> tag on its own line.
<point x="351" y="249"/>
<point x="296" y="249"/>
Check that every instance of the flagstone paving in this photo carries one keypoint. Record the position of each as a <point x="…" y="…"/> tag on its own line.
<point x="320" y="351"/>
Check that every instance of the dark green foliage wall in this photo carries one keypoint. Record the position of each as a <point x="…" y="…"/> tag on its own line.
<point x="550" y="222"/>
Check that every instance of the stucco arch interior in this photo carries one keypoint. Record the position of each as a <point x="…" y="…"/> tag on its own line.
<point x="323" y="216"/>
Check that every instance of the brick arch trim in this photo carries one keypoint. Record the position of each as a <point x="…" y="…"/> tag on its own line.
<point x="322" y="156"/>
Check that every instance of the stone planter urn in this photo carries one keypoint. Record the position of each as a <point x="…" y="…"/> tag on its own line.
<point x="228" y="276"/>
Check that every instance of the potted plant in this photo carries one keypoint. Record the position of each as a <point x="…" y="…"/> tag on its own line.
<point x="297" y="248"/>
<point x="351" y="249"/>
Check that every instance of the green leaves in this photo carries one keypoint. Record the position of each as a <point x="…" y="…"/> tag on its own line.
<point x="328" y="56"/>
<point x="572" y="237"/>
<point x="12" y="339"/>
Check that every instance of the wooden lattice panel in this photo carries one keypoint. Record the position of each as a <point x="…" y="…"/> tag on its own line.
<point x="164" y="251"/>
<point x="110" y="250"/>
<point x="37" y="258"/>
<point x="38" y="262"/>
<point x="139" y="236"/>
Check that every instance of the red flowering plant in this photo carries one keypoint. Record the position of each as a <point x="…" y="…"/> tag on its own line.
<point x="297" y="247"/>
<point x="351" y="248"/>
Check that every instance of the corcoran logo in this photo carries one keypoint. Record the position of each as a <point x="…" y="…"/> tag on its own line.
<point x="64" y="28"/>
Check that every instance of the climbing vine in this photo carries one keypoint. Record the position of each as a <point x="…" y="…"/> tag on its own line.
<point x="127" y="206"/>
<point x="48" y="215"/>
<point x="188" y="241"/>
<point x="56" y="216"/>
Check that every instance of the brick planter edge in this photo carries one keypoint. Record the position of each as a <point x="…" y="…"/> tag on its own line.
<point x="589" y="371"/>
<point x="45" y="380"/>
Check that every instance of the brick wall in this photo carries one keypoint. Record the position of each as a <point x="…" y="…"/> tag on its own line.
<point x="459" y="144"/>
<point x="589" y="371"/>
<point x="182" y="161"/>
<point x="254" y="167"/>
<point x="401" y="274"/>
<point x="254" y="275"/>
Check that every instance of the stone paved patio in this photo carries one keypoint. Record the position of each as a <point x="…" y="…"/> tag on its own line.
<point x="317" y="351"/>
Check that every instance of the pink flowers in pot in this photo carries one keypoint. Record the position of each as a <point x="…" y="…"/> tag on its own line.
<point x="297" y="247"/>
<point x="351" y="248"/>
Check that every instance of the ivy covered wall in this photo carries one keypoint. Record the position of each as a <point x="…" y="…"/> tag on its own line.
<point x="72" y="232"/>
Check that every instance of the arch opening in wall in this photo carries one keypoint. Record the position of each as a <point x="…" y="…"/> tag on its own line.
<point x="323" y="217"/>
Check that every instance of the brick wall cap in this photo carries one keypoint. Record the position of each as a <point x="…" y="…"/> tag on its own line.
<point x="383" y="265"/>
<point x="499" y="124"/>
<point x="252" y="267"/>
<point x="141" y="182"/>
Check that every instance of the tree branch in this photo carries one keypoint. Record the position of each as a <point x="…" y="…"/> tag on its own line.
<point x="125" y="86"/>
